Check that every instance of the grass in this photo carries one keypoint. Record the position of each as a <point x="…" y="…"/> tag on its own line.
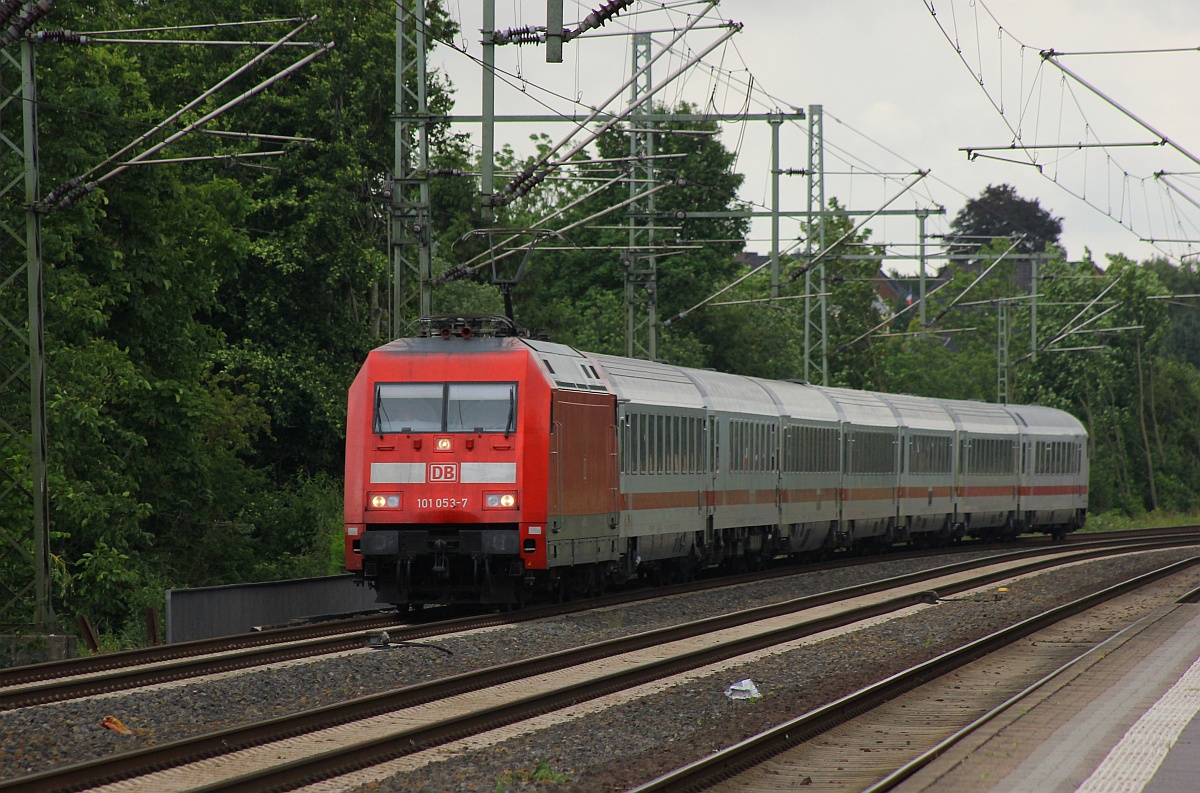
<point x="517" y="780"/>
<point x="1119" y="521"/>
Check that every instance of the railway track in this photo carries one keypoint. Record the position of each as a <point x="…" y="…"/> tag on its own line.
<point x="327" y="742"/>
<point x="110" y="672"/>
<point x="938" y="701"/>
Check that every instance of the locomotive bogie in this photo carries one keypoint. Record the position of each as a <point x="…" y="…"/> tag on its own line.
<point x="492" y="470"/>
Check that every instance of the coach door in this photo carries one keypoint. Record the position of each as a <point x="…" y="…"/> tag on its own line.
<point x="584" y="477"/>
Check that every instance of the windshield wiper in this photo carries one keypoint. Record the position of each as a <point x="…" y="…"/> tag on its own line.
<point x="380" y="414"/>
<point x="510" y="425"/>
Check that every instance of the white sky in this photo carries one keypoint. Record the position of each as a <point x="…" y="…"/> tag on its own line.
<point x="897" y="97"/>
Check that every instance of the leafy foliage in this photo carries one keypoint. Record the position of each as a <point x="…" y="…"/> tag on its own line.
<point x="204" y="321"/>
<point x="1000" y="212"/>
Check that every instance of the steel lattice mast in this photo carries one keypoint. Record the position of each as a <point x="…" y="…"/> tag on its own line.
<point x="641" y="265"/>
<point x="24" y="542"/>
<point x="412" y="257"/>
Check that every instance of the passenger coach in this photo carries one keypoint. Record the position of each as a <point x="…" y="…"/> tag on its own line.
<point x="487" y="468"/>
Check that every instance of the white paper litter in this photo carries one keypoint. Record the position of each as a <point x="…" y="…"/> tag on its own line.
<point x="743" y="689"/>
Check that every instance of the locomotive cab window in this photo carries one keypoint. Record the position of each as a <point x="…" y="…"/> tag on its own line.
<point x="481" y="407"/>
<point x="445" y="407"/>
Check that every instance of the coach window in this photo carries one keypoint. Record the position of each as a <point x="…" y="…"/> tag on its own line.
<point x="755" y="447"/>
<point x="656" y="446"/>
<point x="666" y="447"/>
<point x="674" y="444"/>
<point x="664" y="444"/>
<point x="647" y="437"/>
<point x="670" y="438"/>
<point x="764" y="449"/>
<point x="713" y="428"/>
<point x="689" y="440"/>
<point x="694" y="445"/>
<point x="639" y="443"/>
<point x="653" y="431"/>
<point x="688" y="448"/>
<point x="731" y="444"/>
<point x="625" y="436"/>
<point x="735" y="446"/>
<point x="651" y="444"/>
<point x="627" y="457"/>
<point x="637" y="452"/>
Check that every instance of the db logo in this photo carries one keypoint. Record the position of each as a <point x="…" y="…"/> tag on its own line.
<point x="443" y="472"/>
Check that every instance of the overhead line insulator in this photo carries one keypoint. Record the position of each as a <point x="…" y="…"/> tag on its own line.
<point x="605" y="12"/>
<point x="8" y="8"/>
<point x="33" y="12"/>
<point x="526" y="35"/>
<point x="60" y="37"/>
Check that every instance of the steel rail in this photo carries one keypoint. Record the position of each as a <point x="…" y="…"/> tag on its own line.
<point x="905" y="771"/>
<point x="391" y="621"/>
<point x="337" y="762"/>
<point x="111" y="672"/>
<point x="728" y="763"/>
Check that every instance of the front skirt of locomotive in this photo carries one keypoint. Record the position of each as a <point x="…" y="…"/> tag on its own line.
<point x="440" y="564"/>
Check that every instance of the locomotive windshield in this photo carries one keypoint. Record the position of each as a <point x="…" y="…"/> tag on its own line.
<point x="445" y="407"/>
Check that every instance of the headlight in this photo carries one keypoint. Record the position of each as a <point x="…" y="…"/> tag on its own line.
<point x="499" y="500"/>
<point x="385" y="501"/>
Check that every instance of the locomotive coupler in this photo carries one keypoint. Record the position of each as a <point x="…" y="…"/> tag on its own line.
<point x="441" y="564"/>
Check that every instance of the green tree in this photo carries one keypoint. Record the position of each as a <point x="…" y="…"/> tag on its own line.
<point x="1000" y="213"/>
<point x="204" y="322"/>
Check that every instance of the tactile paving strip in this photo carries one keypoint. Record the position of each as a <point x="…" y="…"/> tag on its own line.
<point x="1132" y="763"/>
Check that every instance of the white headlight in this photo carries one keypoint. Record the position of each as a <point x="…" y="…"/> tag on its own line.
<point x="499" y="500"/>
<point x="384" y="500"/>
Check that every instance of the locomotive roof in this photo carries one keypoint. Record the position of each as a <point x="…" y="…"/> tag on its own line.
<point x="453" y="344"/>
<point x="568" y="367"/>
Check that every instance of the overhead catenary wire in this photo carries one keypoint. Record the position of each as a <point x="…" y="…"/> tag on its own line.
<point x="542" y="167"/>
<point x="752" y="88"/>
<point x="62" y="193"/>
<point x="1075" y="177"/>
<point x="77" y="188"/>
<point x="980" y="277"/>
<point x="797" y="273"/>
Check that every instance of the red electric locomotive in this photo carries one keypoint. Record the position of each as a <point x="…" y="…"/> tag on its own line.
<point x="453" y="475"/>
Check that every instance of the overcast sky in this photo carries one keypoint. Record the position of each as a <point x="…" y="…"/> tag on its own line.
<point x="898" y="97"/>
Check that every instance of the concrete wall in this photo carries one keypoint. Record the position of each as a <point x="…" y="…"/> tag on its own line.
<point x="205" y="612"/>
<point x="35" y="649"/>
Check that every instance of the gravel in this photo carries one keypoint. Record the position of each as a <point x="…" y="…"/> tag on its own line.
<point x="602" y="752"/>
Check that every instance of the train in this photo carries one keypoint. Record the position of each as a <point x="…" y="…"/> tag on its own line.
<point x="487" y="467"/>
